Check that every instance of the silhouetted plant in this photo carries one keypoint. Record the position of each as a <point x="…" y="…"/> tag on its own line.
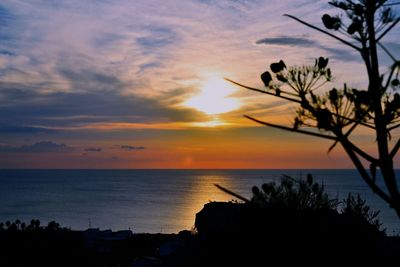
<point x="337" y="113"/>
<point x="356" y="207"/>
<point x="17" y="223"/>
<point x="13" y="227"/>
<point x="34" y="225"/>
<point x="293" y="195"/>
<point x="53" y="226"/>
<point x="297" y="195"/>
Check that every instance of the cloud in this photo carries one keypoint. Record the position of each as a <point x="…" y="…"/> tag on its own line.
<point x="130" y="148"/>
<point x="36" y="111"/>
<point x="88" y="80"/>
<point x="287" y="40"/>
<point x="93" y="149"/>
<point x="7" y="53"/>
<point x="337" y="53"/>
<point x="78" y="63"/>
<point x="18" y="129"/>
<point x="157" y="38"/>
<point x="43" y="146"/>
<point x="7" y="18"/>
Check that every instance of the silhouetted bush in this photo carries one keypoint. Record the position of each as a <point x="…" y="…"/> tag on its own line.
<point x="290" y="218"/>
<point x="34" y="225"/>
<point x="355" y="207"/>
<point x="294" y="195"/>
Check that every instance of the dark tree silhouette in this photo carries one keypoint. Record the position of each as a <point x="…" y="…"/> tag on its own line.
<point x="337" y="113"/>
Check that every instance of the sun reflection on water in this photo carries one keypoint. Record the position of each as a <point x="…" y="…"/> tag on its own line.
<point x="201" y="192"/>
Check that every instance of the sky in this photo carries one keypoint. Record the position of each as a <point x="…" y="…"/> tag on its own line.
<point x="140" y="83"/>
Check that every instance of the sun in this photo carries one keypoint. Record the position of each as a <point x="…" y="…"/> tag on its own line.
<point x="214" y="97"/>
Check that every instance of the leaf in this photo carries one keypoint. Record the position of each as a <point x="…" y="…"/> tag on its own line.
<point x="331" y="23"/>
<point x="327" y="20"/>
<point x="354" y="27"/>
<point x="337" y="22"/>
<point x="324" y="119"/>
<point x="333" y="96"/>
<point x="358" y="10"/>
<point x="387" y="16"/>
<point x="281" y="78"/>
<point x="266" y="78"/>
<point x="322" y="62"/>
<point x="277" y="67"/>
<point x="328" y="74"/>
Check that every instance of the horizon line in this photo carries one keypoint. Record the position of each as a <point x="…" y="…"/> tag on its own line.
<point x="160" y="169"/>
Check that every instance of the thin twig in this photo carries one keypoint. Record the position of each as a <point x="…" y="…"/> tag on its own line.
<point x="394" y="66"/>
<point x="231" y="193"/>
<point x="388" y="29"/>
<point x="262" y="91"/>
<point x="387" y="52"/>
<point x="393" y="127"/>
<point x="323" y="31"/>
<point x="354" y="121"/>
<point x="294" y="100"/>
<point x="392" y="4"/>
<point x="290" y="129"/>
<point x="395" y="149"/>
<point x="363" y="154"/>
<point x="371" y="183"/>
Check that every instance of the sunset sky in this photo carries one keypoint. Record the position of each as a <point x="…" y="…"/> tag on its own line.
<point x="139" y="83"/>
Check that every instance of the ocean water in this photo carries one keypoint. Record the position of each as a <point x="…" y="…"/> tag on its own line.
<point x="152" y="201"/>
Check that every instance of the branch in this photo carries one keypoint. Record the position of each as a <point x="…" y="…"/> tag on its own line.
<point x="231" y="193"/>
<point x="350" y="149"/>
<point x="394" y="66"/>
<point x="392" y="4"/>
<point x="393" y="127"/>
<point x="388" y="29"/>
<point x="363" y="154"/>
<point x="371" y="183"/>
<point x="323" y="31"/>
<point x="294" y="100"/>
<point x="262" y="91"/>
<point x="357" y="150"/>
<point x="387" y="52"/>
<point x="358" y="122"/>
<point x="291" y="129"/>
<point x="395" y="149"/>
<point x="353" y="120"/>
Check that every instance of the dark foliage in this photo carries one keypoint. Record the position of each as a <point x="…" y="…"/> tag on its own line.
<point x="356" y="208"/>
<point x="293" y="195"/>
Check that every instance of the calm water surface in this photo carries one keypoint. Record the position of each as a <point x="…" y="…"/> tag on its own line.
<point x="149" y="200"/>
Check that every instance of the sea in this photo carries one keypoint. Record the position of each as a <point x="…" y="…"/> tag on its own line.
<point x="152" y="201"/>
